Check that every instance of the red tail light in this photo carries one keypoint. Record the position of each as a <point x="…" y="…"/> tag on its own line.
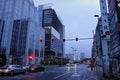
<point x="8" y="68"/>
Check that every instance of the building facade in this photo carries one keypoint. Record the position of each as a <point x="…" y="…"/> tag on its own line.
<point x="101" y="41"/>
<point x="54" y="32"/>
<point x="112" y="50"/>
<point x="114" y="20"/>
<point x="20" y="32"/>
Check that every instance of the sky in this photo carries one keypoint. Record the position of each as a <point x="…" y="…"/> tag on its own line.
<point x="78" y="18"/>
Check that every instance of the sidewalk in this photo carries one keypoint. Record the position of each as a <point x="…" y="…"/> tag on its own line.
<point x="95" y="75"/>
<point x="90" y="75"/>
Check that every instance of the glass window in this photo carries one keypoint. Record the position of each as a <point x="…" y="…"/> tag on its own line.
<point x="55" y="33"/>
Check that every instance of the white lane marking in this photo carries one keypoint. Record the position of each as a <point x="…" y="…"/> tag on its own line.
<point x="60" y="75"/>
<point x="75" y="75"/>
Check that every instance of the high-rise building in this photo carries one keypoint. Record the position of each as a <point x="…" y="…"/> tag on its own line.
<point x="54" y="32"/>
<point x="20" y="30"/>
<point x="82" y="56"/>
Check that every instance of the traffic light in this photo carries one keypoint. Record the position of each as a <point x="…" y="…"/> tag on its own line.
<point x="41" y="39"/>
<point x="76" y="38"/>
<point x="52" y="38"/>
<point x="30" y="57"/>
<point x="63" y="39"/>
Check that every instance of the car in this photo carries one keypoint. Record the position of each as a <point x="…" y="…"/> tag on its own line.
<point x="12" y="69"/>
<point x="67" y="64"/>
<point x="70" y="64"/>
<point x="35" y="68"/>
<point x="26" y="67"/>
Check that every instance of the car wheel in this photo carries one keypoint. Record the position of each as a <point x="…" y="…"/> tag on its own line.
<point x="43" y="69"/>
<point x="12" y="73"/>
<point x="25" y="71"/>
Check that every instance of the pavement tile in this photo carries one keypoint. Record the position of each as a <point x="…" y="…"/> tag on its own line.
<point x="90" y="75"/>
<point x="95" y="75"/>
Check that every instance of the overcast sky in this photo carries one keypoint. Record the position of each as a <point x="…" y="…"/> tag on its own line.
<point x="78" y="18"/>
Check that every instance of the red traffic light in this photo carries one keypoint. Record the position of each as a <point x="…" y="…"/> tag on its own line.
<point x="41" y="39"/>
<point x="30" y="57"/>
<point x="52" y="38"/>
<point x="63" y="39"/>
<point x="76" y="38"/>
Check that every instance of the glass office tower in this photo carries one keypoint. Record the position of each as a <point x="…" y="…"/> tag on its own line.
<point x="54" y="29"/>
<point x="20" y="31"/>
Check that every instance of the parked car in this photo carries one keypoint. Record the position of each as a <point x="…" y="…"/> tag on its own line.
<point x="35" y="68"/>
<point x="26" y="67"/>
<point x="70" y="64"/>
<point x="12" y="69"/>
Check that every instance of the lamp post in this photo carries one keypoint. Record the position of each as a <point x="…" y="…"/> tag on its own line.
<point x="41" y="51"/>
<point x="97" y="47"/>
<point x="96" y="42"/>
<point x="73" y="52"/>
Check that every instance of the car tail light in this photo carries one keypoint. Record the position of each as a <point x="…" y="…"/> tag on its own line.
<point x="32" y="68"/>
<point x="8" y="69"/>
<point x="0" y="68"/>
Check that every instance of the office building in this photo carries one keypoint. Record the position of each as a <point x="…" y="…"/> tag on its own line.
<point x="54" y="32"/>
<point x="20" y="32"/>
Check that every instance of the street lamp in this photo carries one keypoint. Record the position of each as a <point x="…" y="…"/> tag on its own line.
<point x="97" y="17"/>
<point x="41" y="51"/>
<point x="97" y="47"/>
<point x="101" y="45"/>
<point x="73" y="51"/>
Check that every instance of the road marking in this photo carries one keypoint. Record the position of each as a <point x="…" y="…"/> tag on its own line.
<point x="75" y="75"/>
<point x="60" y="75"/>
<point x="91" y="79"/>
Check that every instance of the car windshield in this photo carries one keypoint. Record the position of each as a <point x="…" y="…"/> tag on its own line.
<point x="33" y="66"/>
<point x="4" y="67"/>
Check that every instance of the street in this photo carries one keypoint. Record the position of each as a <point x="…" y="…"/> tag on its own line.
<point x="52" y="73"/>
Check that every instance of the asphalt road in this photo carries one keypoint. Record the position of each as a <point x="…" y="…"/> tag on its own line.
<point x="52" y="73"/>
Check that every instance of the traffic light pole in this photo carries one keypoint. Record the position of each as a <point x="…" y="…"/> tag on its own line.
<point x="78" y="39"/>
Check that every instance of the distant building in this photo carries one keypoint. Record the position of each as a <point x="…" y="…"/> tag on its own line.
<point x="20" y="31"/>
<point x="70" y="57"/>
<point x="82" y="56"/>
<point x="54" y="32"/>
